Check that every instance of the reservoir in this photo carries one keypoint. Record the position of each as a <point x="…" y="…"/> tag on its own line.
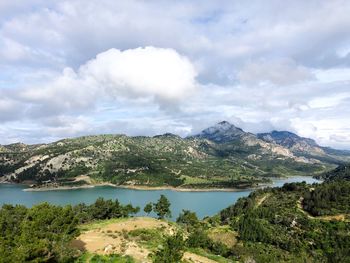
<point x="203" y="203"/>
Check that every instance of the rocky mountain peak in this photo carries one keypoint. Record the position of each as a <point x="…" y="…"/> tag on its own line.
<point x="292" y="141"/>
<point x="286" y="138"/>
<point x="221" y="132"/>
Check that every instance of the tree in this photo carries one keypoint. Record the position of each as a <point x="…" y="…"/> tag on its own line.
<point x="100" y="209"/>
<point x="46" y="233"/>
<point x="171" y="250"/>
<point x="162" y="207"/>
<point x="188" y="219"/>
<point x="148" y="208"/>
<point x="198" y="238"/>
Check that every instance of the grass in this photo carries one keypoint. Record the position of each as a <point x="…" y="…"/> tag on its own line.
<point x="115" y="258"/>
<point x="195" y="180"/>
<point x="224" y="235"/>
<point x="150" y="238"/>
<point x="101" y="223"/>
<point x="203" y="253"/>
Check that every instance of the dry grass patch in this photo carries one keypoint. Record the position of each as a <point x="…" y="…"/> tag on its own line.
<point x="223" y="235"/>
<point x="194" y="258"/>
<point x="112" y="236"/>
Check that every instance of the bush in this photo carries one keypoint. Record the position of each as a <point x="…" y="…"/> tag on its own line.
<point x="171" y="251"/>
<point x="188" y="219"/>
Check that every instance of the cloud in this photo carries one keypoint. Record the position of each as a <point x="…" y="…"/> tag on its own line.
<point x="9" y="109"/>
<point x="158" y="72"/>
<point x="329" y="101"/>
<point x="153" y="74"/>
<point x="129" y="66"/>
<point x="13" y="51"/>
<point x="276" y="72"/>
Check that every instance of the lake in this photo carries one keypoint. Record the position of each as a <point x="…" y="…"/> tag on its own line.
<point x="203" y="203"/>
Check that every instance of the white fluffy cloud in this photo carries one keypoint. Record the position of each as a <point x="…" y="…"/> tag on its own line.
<point x="157" y="74"/>
<point x="150" y="71"/>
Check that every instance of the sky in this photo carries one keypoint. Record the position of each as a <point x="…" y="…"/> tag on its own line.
<point x="78" y="67"/>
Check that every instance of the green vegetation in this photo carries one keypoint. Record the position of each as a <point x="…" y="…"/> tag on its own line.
<point x="162" y="207"/>
<point x="150" y="238"/>
<point x="103" y="209"/>
<point x="272" y="225"/>
<point x="342" y="172"/>
<point x="42" y="233"/>
<point x="188" y="220"/>
<point x="88" y="258"/>
<point x="38" y="234"/>
<point x="330" y="199"/>
<point x="165" y="160"/>
<point x="171" y="250"/>
<point x="148" y="208"/>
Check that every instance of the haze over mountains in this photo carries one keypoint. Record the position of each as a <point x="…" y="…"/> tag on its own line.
<point x="220" y="156"/>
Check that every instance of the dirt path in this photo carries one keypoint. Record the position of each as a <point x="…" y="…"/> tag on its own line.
<point x="261" y="200"/>
<point x="339" y="217"/>
<point x="84" y="178"/>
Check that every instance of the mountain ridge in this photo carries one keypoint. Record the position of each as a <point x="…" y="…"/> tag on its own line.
<point x="220" y="156"/>
<point x="223" y="125"/>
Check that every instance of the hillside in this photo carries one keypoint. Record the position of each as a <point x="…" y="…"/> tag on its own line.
<point x="219" y="157"/>
<point x="305" y="147"/>
<point x="295" y="223"/>
<point x="342" y="172"/>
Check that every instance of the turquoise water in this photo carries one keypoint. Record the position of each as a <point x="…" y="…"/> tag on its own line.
<point x="203" y="203"/>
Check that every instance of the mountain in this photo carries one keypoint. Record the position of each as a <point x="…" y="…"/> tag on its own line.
<point x="222" y="132"/>
<point x="305" y="147"/>
<point x="232" y="140"/>
<point x="292" y="141"/>
<point x="220" y="156"/>
<point x="286" y="138"/>
<point x="273" y="144"/>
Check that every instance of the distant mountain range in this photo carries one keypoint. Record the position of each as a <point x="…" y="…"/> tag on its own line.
<point x="292" y="144"/>
<point x="220" y="156"/>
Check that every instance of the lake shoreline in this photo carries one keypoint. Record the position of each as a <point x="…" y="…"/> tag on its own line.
<point x="140" y="188"/>
<point x="145" y="188"/>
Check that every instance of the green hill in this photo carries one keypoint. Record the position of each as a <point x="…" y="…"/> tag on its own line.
<point x="166" y="160"/>
<point x="219" y="157"/>
<point x="339" y="173"/>
<point x="296" y="223"/>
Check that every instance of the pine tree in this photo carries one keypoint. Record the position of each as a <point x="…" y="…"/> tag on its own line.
<point x="162" y="207"/>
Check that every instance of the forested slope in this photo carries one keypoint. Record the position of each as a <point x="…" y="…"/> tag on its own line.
<point x="296" y="223"/>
